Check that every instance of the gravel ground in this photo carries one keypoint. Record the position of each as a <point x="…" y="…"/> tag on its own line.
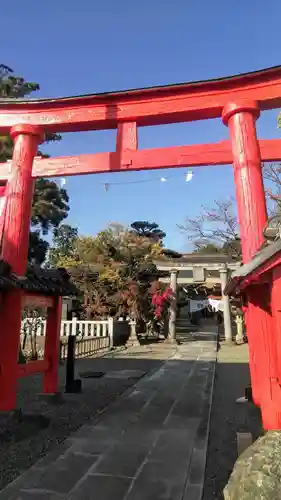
<point x="228" y="418"/>
<point x="43" y="424"/>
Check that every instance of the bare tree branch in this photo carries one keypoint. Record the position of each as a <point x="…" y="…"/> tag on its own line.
<point x="272" y="175"/>
<point x="216" y="225"/>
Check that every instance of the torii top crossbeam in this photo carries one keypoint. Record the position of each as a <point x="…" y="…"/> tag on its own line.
<point x="150" y="106"/>
<point x="127" y="110"/>
<point x="237" y="99"/>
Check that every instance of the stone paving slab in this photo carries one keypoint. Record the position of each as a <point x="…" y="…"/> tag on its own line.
<point x="125" y="374"/>
<point x="149" y="444"/>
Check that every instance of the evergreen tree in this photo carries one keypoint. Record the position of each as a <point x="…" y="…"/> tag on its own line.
<point x="149" y="230"/>
<point x="50" y="202"/>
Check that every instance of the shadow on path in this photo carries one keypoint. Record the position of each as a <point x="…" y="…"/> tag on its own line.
<point x="228" y="418"/>
<point x="149" y="443"/>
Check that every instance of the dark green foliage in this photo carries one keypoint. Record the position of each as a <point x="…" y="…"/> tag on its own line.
<point x="171" y="254"/>
<point x="16" y="87"/>
<point x="49" y="209"/>
<point x="150" y="230"/>
<point x="208" y="249"/>
<point x="12" y="86"/>
<point x="63" y="251"/>
<point x="37" y="248"/>
<point x="50" y="205"/>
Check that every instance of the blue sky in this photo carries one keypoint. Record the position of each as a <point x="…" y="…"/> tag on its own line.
<point x="73" y="48"/>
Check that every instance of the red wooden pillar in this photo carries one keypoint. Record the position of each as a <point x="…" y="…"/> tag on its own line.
<point x="252" y="216"/>
<point x="276" y="313"/>
<point x="250" y="196"/>
<point x="271" y="413"/>
<point x="2" y="207"/>
<point x="52" y="347"/>
<point x="19" y="192"/>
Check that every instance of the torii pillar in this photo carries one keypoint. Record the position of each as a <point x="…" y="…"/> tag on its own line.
<point x="15" y="244"/>
<point x="226" y="305"/>
<point x="172" y="337"/>
<point x="240" y="117"/>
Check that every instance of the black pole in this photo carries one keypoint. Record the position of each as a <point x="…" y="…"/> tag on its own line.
<point x="72" y="385"/>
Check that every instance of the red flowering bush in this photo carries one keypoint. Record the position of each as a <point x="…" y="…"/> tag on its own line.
<point x="160" y="301"/>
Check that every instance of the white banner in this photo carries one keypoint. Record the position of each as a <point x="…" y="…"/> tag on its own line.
<point x="198" y="305"/>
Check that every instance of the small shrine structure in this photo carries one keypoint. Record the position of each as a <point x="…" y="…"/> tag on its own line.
<point x="39" y="288"/>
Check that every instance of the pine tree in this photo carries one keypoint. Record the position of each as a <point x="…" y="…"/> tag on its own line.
<point x="50" y="202"/>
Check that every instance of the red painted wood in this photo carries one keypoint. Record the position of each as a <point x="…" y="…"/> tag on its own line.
<point x="155" y="106"/>
<point x="127" y="137"/>
<point x="29" y="300"/>
<point x="19" y="197"/>
<point x="127" y="111"/>
<point x="151" y="159"/>
<point x="250" y="195"/>
<point x="126" y="143"/>
<point x="263" y="358"/>
<point x="10" y="324"/>
<point x="263" y="289"/>
<point x="2" y="209"/>
<point x="252" y="217"/>
<point x="261" y="274"/>
<point x="52" y="347"/>
<point x="32" y="367"/>
<point x="276" y="312"/>
<point x="14" y="251"/>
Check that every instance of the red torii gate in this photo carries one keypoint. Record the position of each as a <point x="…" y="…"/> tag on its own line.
<point x="238" y="100"/>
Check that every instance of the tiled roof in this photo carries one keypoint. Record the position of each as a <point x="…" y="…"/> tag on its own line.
<point x="196" y="258"/>
<point x="262" y="256"/>
<point x="7" y="280"/>
<point x="37" y="280"/>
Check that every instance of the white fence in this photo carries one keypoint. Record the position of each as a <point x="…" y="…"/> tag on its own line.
<point x="87" y="346"/>
<point x="93" y="336"/>
<point x="108" y="332"/>
<point x="92" y="329"/>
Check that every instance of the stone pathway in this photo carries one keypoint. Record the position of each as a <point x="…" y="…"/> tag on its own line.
<point x="149" y="445"/>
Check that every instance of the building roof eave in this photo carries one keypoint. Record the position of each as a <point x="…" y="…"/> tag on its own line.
<point x="244" y="275"/>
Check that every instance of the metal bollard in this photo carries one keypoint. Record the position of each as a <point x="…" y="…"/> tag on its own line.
<point x="72" y="385"/>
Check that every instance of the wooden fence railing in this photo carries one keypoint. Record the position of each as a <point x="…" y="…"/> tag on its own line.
<point x="97" y="328"/>
<point x="92" y="336"/>
<point x="85" y="347"/>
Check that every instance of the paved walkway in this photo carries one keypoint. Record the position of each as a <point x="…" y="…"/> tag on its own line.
<point x="149" y="445"/>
